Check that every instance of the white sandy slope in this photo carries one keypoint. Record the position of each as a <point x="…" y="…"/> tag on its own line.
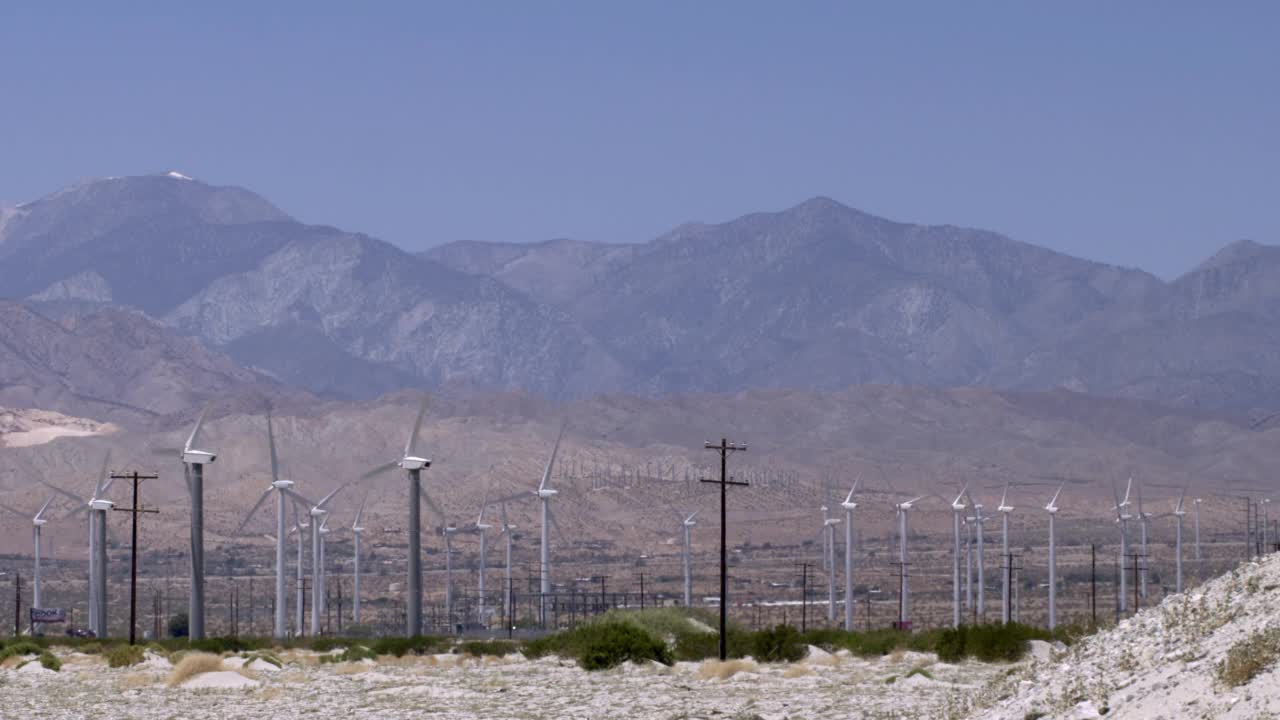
<point x="1159" y="664"/>
<point x="24" y="427"/>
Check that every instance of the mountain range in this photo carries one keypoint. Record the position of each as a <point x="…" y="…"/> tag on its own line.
<point x="819" y="296"/>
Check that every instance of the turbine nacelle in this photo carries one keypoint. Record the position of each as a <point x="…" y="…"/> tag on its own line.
<point x="848" y="505"/>
<point x="39" y="522"/>
<point x="410" y="462"/>
<point x="98" y="504"/>
<point x="831" y="521"/>
<point x="198" y="457"/>
<point x="282" y="484"/>
<point x="545" y="493"/>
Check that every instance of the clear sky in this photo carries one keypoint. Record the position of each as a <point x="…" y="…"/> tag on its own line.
<point x="1139" y="133"/>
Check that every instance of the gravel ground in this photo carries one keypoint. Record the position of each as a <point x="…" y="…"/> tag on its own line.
<point x="448" y="686"/>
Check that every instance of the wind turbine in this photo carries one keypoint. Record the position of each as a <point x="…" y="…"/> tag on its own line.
<point x="193" y="462"/>
<point x="686" y="528"/>
<point x="96" y="507"/>
<point x="903" y="599"/>
<point x="1052" y="509"/>
<point x="448" y="531"/>
<point x="413" y="465"/>
<point x="37" y="522"/>
<point x="1122" y="519"/>
<point x="545" y="494"/>
<point x="1178" y="513"/>
<point x="507" y="527"/>
<point x="322" y="570"/>
<point x="849" y="505"/>
<point x="481" y="527"/>
<point x="829" y="542"/>
<point x="300" y="583"/>
<point x="356" y="531"/>
<point x="317" y="512"/>
<point x="278" y="487"/>
<point x="1144" y="519"/>
<point x="1004" y="509"/>
<point x="981" y="532"/>
<point x="957" y="512"/>
<point x="1197" y="520"/>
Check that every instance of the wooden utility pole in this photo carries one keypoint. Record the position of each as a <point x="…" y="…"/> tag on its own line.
<point x="17" y="604"/>
<point x="804" y="595"/>
<point x="1093" y="583"/>
<point x="133" y="547"/>
<point x="724" y="447"/>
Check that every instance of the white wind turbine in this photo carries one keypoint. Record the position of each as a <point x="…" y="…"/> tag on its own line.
<point x="1052" y="509"/>
<point x="482" y="528"/>
<point x="902" y="509"/>
<point x="322" y="570"/>
<point x="1197" y="521"/>
<point x="981" y="530"/>
<point x="507" y="529"/>
<point x="1144" y="519"/>
<point x="277" y="486"/>
<point x="1178" y="514"/>
<point x="356" y="531"/>
<point x="317" y="512"/>
<point x="37" y="522"/>
<point x="96" y="507"/>
<point x="1122" y="520"/>
<point x="299" y="526"/>
<point x="829" y="541"/>
<point x="447" y="532"/>
<point x="193" y="462"/>
<point x="849" y="505"/>
<point x="686" y="528"/>
<point x="957" y="514"/>
<point x="413" y="465"/>
<point x="1004" y="508"/>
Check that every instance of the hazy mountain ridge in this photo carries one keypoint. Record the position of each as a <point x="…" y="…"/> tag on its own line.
<point x="819" y="296"/>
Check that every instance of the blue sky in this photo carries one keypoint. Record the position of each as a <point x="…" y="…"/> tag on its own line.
<point x="1137" y="133"/>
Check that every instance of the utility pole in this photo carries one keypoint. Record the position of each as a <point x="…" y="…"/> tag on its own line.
<point x="641" y="591"/>
<point x="133" y="547"/>
<point x="1136" y="604"/>
<point x="1093" y="583"/>
<point x="17" y="604"/>
<point x="804" y="595"/>
<point x="724" y="447"/>
<point x="511" y="603"/>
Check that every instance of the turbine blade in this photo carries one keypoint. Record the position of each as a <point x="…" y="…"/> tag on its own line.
<point x="60" y="491"/>
<point x="325" y="500"/>
<point x="195" y="431"/>
<point x="692" y="515"/>
<point x="271" y="442"/>
<point x="99" y="487"/>
<point x="1055" y="495"/>
<point x="1181" y="498"/>
<point x="546" y="474"/>
<point x="297" y="497"/>
<point x="1115" y="493"/>
<point x="505" y="524"/>
<point x="44" y="507"/>
<point x="417" y="425"/>
<point x="379" y="470"/>
<point x="1005" y="495"/>
<point x="426" y="498"/>
<point x="360" y="512"/>
<point x="254" y="509"/>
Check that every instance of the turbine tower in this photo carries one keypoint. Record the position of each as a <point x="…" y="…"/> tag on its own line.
<point x="507" y="527"/>
<point x="482" y="527"/>
<point x="356" y="531"/>
<point x="101" y="484"/>
<point x="193" y="462"/>
<point x="981" y="530"/>
<point x="957" y="513"/>
<point x="448" y="531"/>
<point x="1178" y="514"/>
<point x="849" y="505"/>
<point x="903" y="593"/>
<point x="686" y="530"/>
<point x="544" y="495"/>
<point x="299" y="525"/>
<point x="1122" y="520"/>
<point x="829" y="542"/>
<point x="38" y="521"/>
<point x="1052" y="509"/>
<point x="277" y="486"/>
<point x="413" y="465"/>
<point x="1197" y="521"/>
<point x="1004" y="508"/>
<point x="1144" y="519"/>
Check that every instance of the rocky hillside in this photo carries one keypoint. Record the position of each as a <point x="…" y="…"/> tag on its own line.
<point x="1211" y="652"/>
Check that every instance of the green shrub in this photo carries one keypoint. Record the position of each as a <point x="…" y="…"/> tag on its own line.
<point x="20" y="647"/>
<point x="781" y="644"/>
<point x="223" y="645"/>
<point x="263" y="656"/>
<point x="616" y="643"/>
<point x="921" y="672"/>
<point x="50" y="661"/>
<point x="1249" y="657"/>
<point x="951" y="643"/>
<point x="477" y="648"/>
<point x="355" y="653"/>
<point x="179" y="626"/>
<point x="326" y="644"/>
<point x="989" y="643"/>
<point x="400" y="646"/>
<point x="90" y="648"/>
<point x="120" y="656"/>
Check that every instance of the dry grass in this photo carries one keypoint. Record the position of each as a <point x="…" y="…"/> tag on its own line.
<point x="292" y="676"/>
<point x="896" y="655"/>
<point x="350" y="668"/>
<point x="403" y="661"/>
<point x="1249" y="657"/>
<point x="269" y="693"/>
<point x="135" y="680"/>
<point x="796" y="671"/>
<point x="716" y="670"/>
<point x="193" y="664"/>
<point x="12" y="662"/>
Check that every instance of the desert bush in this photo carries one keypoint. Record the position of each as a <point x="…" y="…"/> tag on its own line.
<point x="989" y="643"/>
<point x="1249" y="657"/>
<point x="603" y="643"/>
<point x="179" y="625"/>
<point x="192" y="664"/>
<point x="352" y="654"/>
<point x="326" y="644"/>
<point x="477" y="648"/>
<point x="222" y="645"/>
<point x="921" y="672"/>
<point x="781" y="644"/>
<point x="119" y="656"/>
<point x="49" y="661"/>
<point x="264" y="656"/>
<point x="399" y="646"/>
<point x="20" y="648"/>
